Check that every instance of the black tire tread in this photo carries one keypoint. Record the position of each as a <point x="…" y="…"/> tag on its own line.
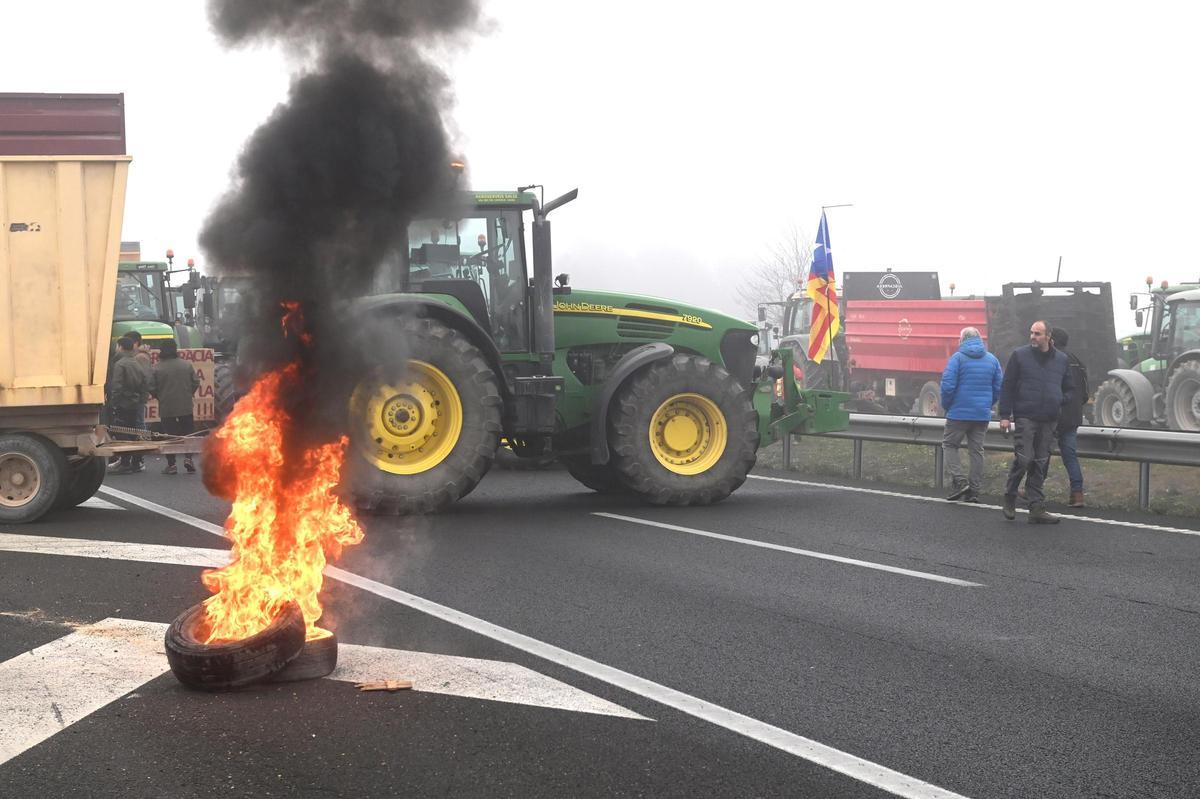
<point x="83" y="479"/>
<point x="644" y="392"/>
<point x="382" y="493"/>
<point x="235" y="664"/>
<point x="52" y="467"/>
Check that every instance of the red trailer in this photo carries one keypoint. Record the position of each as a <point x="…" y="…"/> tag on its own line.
<point x="898" y="348"/>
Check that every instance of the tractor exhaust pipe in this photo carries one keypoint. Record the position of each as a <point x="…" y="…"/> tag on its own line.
<point x="543" y="281"/>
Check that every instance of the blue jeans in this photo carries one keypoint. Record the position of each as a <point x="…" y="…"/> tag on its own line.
<point x="1067" y="446"/>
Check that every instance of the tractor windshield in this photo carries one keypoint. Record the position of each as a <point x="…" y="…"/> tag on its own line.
<point x="1186" y="326"/>
<point x="486" y="252"/>
<point x="137" y="297"/>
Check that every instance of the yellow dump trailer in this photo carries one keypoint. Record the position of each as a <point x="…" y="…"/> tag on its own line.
<point x="60" y="238"/>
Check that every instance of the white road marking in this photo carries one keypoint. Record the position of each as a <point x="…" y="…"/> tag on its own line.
<point x="794" y="551"/>
<point x="493" y="680"/>
<point x="977" y="505"/>
<point x="845" y="763"/>
<point x="113" y="550"/>
<point x="47" y="689"/>
<point x="96" y="502"/>
<point x="163" y="510"/>
<point x="50" y="688"/>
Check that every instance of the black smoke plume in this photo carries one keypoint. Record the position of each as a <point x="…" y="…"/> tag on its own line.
<point x="325" y="188"/>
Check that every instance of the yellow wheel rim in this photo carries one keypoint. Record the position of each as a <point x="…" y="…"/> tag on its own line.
<point x="688" y="434"/>
<point x="408" y="426"/>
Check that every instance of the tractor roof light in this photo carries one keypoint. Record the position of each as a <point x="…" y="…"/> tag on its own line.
<point x="1164" y="285"/>
<point x="1149" y="280"/>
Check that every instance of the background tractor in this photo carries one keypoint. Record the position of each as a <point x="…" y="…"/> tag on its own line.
<point x="632" y="394"/>
<point x="148" y="303"/>
<point x="1163" y="387"/>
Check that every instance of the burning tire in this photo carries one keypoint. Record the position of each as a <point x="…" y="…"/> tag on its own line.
<point x="232" y="664"/>
<point x="82" y="480"/>
<point x="598" y="477"/>
<point x="1183" y="397"/>
<point x="425" y="432"/>
<point x="317" y="658"/>
<point x="32" y="471"/>
<point x="683" y="432"/>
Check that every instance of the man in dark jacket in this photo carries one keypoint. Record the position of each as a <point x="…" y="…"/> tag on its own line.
<point x="1037" y="384"/>
<point x="175" y="382"/>
<point x="128" y="390"/>
<point x="1072" y="417"/>
<point x="970" y="387"/>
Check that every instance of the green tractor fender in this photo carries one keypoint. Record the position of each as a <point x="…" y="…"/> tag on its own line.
<point x="1141" y="389"/>
<point x="415" y="305"/>
<point x="631" y="362"/>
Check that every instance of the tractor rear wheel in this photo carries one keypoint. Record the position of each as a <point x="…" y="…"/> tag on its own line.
<point x="1183" y="397"/>
<point x="600" y="477"/>
<point x="683" y="432"/>
<point x="424" y="431"/>
<point x="224" y="391"/>
<point x="1114" y="404"/>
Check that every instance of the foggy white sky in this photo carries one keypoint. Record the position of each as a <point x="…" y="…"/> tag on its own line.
<point x="982" y="141"/>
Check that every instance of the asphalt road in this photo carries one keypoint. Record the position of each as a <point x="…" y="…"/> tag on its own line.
<point x="795" y="640"/>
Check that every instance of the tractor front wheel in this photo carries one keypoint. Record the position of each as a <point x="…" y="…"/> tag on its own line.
<point x="1114" y="404"/>
<point x="683" y="432"/>
<point x="424" y="430"/>
<point x="1183" y="397"/>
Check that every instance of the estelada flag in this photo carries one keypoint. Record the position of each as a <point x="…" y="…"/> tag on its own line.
<point x="822" y="288"/>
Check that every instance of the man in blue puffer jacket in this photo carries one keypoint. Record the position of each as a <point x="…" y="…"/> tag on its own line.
<point x="1037" y="384"/>
<point x="970" y="387"/>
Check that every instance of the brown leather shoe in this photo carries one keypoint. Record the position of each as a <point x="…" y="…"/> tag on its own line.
<point x="1076" y="500"/>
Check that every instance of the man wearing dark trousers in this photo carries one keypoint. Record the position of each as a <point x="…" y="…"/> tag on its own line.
<point x="1037" y="384"/>
<point x="1071" y="418"/>
<point x="174" y="383"/>
<point x="128" y="390"/>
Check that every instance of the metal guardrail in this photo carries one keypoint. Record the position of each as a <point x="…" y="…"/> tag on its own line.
<point x="1140" y="446"/>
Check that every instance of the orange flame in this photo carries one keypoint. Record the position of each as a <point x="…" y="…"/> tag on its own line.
<point x="285" y="522"/>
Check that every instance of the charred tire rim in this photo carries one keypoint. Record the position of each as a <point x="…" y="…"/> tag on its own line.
<point x="317" y="658"/>
<point x="232" y="664"/>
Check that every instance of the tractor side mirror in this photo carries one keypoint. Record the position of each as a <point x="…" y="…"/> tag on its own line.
<point x="1139" y="318"/>
<point x="1133" y="303"/>
<point x="762" y="314"/>
<point x="208" y="305"/>
<point x="189" y="296"/>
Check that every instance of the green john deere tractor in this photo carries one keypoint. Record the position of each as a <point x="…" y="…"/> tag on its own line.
<point x="148" y="303"/>
<point x="1162" y="385"/>
<point x="633" y="394"/>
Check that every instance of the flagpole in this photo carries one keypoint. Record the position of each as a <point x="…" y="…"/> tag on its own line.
<point x="825" y="288"/>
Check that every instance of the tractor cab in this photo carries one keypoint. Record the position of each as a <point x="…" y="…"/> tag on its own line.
<point x="1177" y="325"/>
<point x="477" y="255"/>
<point x="146" y="301"/>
